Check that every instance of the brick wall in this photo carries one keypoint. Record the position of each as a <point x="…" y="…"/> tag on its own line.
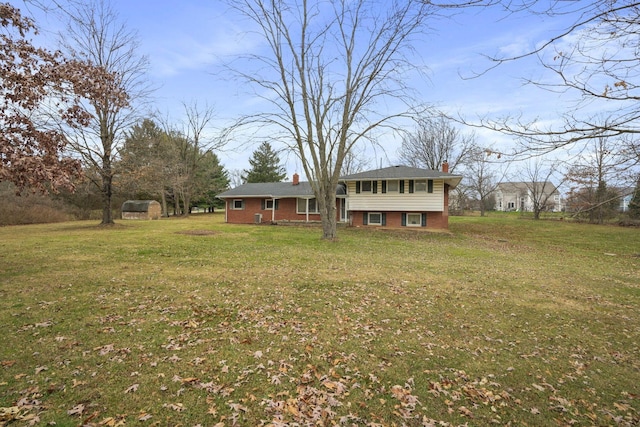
<point x="286" y="211"/>
<point x="394" y="220"/>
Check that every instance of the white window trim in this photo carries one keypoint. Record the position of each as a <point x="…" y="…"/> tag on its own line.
<point x="233" y="204"/>
<point x="266" y="204"/>
<point x="397" y="190"/>
<point x="299" y="212"/>
<point x="419" y="215"/>
<point x="370" y="190"/>
<point x="369" y="218"/>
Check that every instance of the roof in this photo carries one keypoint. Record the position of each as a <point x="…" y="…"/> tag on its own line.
<point x="519" y="187"/>
<point x="137" y="205"/>
<point x="274" y="190"/>
<point x="404" y="172"/>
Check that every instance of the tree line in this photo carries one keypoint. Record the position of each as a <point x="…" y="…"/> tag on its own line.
<point x="76" y="111"/>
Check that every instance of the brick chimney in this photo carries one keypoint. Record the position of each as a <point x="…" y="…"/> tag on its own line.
<point x="445" y="166"/>
<point x="296" y="179"/>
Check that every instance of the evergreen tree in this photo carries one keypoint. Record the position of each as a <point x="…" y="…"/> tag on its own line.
<point x="265" y="166"/>
<point x="634" y="204"/>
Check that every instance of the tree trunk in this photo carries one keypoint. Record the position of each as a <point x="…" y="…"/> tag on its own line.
<point x="186" y="198"/>
<point x="327" y="204"/>
<point x="165" y="211"/>
<point x="107" y="189"/>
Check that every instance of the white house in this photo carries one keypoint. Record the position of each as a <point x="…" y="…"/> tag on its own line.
<point x="523" y="196"/>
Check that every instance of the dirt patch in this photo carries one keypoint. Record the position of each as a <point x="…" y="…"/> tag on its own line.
<point x="198" y="232"/>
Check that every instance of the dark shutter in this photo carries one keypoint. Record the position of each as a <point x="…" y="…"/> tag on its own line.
<point x="384" y="218"/>
<point x="357" y="187"/>
<point x="424" y="219"/>
<point x="404" y="219"/>
<point x="262" y="203"/>
<point x="410" y="186"/>
<point x="430" y="186"/>
<point x="384" y="187"/>
<point x="402" y="185"/>
<point x="275" y="204"/>
<point x="375" y="187"/>
<point x="364" y="218"/>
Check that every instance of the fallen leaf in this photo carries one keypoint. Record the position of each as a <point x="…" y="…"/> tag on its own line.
<point x="175" y="406"/>
<point x="76" y="410"/>
<point x="132" y="388"/>
<point x="144" y="416"/>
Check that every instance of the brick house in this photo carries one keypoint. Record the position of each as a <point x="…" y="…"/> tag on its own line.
<point x="397" y="196"/>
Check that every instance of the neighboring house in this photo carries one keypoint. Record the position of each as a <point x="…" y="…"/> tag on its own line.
<point x="626" y="194"/>
<point x="396" y="196"/>
<point x="520" y="196"/>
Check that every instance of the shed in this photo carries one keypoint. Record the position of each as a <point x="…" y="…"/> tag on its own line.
<point x="141" y="209"/>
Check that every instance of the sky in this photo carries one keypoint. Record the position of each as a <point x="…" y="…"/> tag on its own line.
<point x="186" y="42"/>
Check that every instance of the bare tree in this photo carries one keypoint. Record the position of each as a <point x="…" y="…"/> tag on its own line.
<point x="235" y="178"/>
<point x="95" y="35"/>
<point x="328" y="66"/>
<point x="540" y="189"/>
<point x="355" y="161"/>
<point x="595" y="61"/>
<point x="197" y="140"/>
<point x="481" y="176"/>
<point x="589" y="193"/>
<point x="434" y="141"/>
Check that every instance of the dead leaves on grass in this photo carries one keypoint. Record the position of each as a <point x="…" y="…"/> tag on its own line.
<point x="285" y="372"/>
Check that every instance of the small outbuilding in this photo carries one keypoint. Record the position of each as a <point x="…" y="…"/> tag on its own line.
<point x="141" y="209"/>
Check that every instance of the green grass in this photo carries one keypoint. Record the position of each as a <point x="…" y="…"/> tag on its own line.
<point x="191" y="321"/>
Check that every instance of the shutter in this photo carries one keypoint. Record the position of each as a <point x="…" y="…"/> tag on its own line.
<point x="404" y="219"/>
<point x="384" y="187"/>
<point x="430" y="186"/>
<point x="424" y="219"/>
<point x="262" y="204"/>
<point x="375" y="187"/>
<point x="402" y="185"/>
<point x="364" y="218"/>
<point x="275" y="204"/>
<point x="357" y="187"/>
<point x="410" y="186"/>
<point x="384" y="218"/>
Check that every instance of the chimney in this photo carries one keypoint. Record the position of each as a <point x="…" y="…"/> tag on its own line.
<point x="296" y="179"/>
<point x="445" y="166"/>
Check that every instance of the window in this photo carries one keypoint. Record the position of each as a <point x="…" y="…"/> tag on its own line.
<point x="375" y="218"/>
<point x="302" y="206"/>
<point x="269" y="204"/>
<point x="238" y="204"/>
<point x="366" y="187"/>
<point x="420" y="185"/>
<point x="392" y="186"/>
<point x="414" y="220"/>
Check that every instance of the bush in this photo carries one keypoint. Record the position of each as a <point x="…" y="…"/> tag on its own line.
<point x="30" y="208"/>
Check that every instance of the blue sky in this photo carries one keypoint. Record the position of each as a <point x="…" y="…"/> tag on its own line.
<point x="186" y="41"/>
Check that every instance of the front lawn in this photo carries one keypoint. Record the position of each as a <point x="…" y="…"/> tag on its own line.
<point x="195" y="322"/>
